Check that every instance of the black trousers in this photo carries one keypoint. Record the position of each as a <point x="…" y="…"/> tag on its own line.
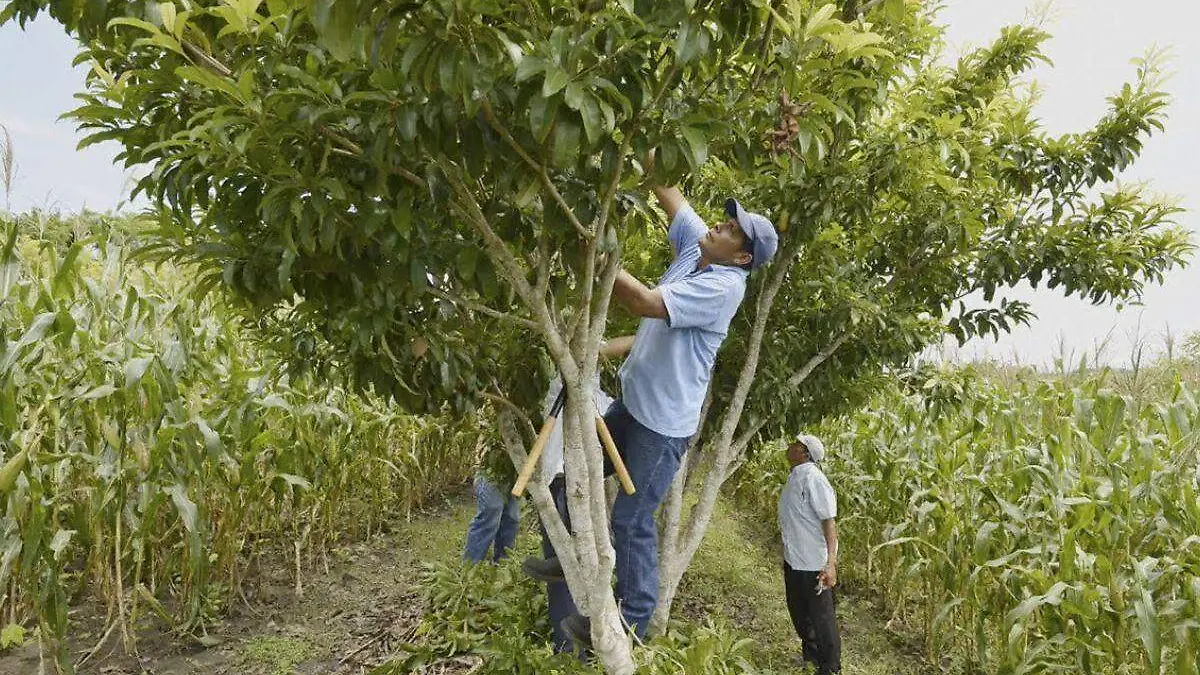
<point x="558" y="596"/>
<point x="815" y="620"/>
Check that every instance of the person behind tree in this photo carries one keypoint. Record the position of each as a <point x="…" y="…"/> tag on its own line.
<point x="558" y="597"/>
<point x="497" y="512"/>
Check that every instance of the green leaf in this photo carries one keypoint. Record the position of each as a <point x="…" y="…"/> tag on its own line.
<point x="418" y="275"/>
<point x="528" y="67"/>
<point x="209" y="80"/>
<point x="446" y="66"/>
<point x="212" y="440"/>
<point x="821" y="22"/>
<point x="691" y="43"/>
<point x="573" y="95"/>
<point x="37" y="330"/>
<point x="98" y="393"/>
<point x="566" y="143"/>
<point x="188" y="512"/>
<point x="556" y="80"/>
<point x="294" y="481"/>
<point x="135" y="23"/>
<point x="415" y="49"/>
<point x="467" y="260"/>
<point x="135" y="369"/>
<point x="592" y="123"/>
<point x="13" y="635"/>
<point x="697" y="145"/>
<point x="336" y="23"/>
<point x="1148" y="629"/>
<point x="542" y="112"/>
<point x="60" y="541"/>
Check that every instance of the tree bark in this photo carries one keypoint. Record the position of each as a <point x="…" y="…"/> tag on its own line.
<point x="587" y="554"/>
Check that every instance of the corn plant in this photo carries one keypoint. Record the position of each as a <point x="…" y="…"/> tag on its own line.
<point x="8" y="165"/>
<point x="1043" y="524"/>
<point x="150" y="451"/>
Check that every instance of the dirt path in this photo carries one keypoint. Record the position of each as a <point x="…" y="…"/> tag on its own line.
<point x="346" y="622"/>
<point x="351" y="619"/>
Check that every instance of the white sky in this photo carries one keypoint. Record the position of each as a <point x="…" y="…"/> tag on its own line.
<point x="1093" y="43"/>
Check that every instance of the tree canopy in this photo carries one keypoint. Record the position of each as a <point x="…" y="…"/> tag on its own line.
<point x="435" y="196"/>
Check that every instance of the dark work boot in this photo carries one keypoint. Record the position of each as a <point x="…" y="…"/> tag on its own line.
<point x="546" y="570"/>
<point x="579" y="628"/>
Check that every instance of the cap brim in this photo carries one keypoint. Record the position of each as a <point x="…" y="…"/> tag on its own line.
<point x="733" y="209"/>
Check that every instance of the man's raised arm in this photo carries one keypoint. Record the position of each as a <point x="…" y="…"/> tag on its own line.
<point x="670" y="199"/>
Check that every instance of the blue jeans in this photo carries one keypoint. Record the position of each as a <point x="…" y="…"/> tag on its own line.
<point x="497" y="515"/>
<point x="652" y="460"/>
<point x="558" y="596"/>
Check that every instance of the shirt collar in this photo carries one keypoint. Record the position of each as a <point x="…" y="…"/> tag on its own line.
<point x="712" y="267"/>
<point x="801" y="469"/>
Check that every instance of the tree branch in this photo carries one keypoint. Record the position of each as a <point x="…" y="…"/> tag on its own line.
<point x="409" y="176"/>
<point x="206" y="59"/>
<point x="513" y="408"/>
<point x="612" y="267"/>
<point x="348" y="148"/>
<point x="798" y="377"/>
<point x="761" y="59"/>
<point x="817" y="359"/>
<point x="507" y="264"/>
<point x="611" y="191"/>
<point x="483" y="309"/>
<point x="490" y="115"/>
<point x="543" y="264"/>
<point x="583" y="323"/>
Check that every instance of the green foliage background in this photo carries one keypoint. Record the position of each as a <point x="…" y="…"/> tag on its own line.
<point x="1035" y="523"/>
<point x="151" y="449"/>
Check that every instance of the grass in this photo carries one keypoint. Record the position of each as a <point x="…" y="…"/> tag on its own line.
<point x="441" y="536"/>
<point x="735" y="576"/>
<point x="276" y="655"/>
<point x="371" y="591"/>
<point x="7" y="165"/>
<point x="737" y="573"/>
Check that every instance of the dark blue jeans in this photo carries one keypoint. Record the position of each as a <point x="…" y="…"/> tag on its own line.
<point x="497" y="515"/>
<point x="652" y="460"/>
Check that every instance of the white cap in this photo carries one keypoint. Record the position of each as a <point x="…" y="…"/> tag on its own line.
<point x="814" y="446"/>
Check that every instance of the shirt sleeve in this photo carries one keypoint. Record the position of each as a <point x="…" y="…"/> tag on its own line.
<point x="603" y="400"/>
<point x="697" y="301"/>
<point x="824" y="500"/>
<point x="686" y="229"/>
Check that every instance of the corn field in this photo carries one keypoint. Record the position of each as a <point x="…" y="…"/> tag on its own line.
<point x="1026" y="524"/>
<point x="151" y="452"/>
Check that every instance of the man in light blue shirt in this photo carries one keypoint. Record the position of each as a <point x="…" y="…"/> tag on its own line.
<point x="665" y="378"/>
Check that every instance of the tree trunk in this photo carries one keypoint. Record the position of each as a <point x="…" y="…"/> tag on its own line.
<point x="586" y="554"/>
<point x="587" y="569"/>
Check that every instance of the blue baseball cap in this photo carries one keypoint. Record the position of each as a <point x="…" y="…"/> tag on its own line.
<point x="758" y="230"/>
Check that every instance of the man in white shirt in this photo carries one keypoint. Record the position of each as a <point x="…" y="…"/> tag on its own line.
<point x="807" y="508"/>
